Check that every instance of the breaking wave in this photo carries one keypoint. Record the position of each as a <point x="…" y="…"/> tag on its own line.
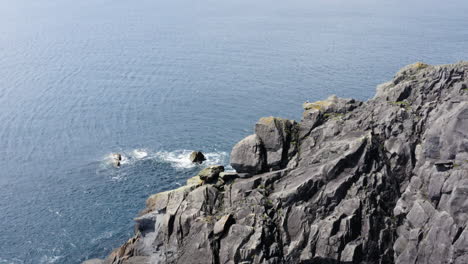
<point x="178" y="159"/>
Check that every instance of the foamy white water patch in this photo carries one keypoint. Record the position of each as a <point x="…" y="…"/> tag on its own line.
<point x="105" y="235"/>
<point x="49" y="259"/>
<point x="127" y="157"/>
<point x="140" y="153"/>
<point x="180" y="159"/>
<point x="11" y="261"/>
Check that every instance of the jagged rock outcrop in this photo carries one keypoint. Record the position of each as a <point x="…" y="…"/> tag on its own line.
<point x="382" y="181"/>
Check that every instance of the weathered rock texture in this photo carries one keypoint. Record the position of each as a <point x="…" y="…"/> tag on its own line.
<point x="382" y="181"/>
<point x="249" y="155"/>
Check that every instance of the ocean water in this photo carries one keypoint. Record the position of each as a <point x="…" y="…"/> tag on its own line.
<point x="153" y="80"/>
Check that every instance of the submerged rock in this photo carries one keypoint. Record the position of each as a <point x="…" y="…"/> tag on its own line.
<point x="382" y="181"/>
<point x="197" y="157"/>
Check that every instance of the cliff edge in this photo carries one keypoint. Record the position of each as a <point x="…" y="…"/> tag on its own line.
<point x="381" y="181"/>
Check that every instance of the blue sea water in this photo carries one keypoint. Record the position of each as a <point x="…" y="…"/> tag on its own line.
<point x="155" y="79"/>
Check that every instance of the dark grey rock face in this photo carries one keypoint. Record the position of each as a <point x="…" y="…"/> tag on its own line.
<point x="197" y="157"/>
<point x="382" y="181"/>
<point x="249" y="156"/>
<point x="279" y="139"/>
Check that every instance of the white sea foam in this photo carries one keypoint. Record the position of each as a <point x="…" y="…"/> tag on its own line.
<point x="128" y="157"/>
<point x="50" y="259"/>
<point x="139" y="153"/>
<point x="11" y="261"/>
<point x="103" y="236"/>
<point x="125" y="159"/>
<point x="179" y="159"/>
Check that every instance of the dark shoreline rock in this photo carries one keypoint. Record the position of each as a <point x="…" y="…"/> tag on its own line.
<point x="197" y="157"/>
<point x="382" y="181"/>
<point x="116" y="159"/>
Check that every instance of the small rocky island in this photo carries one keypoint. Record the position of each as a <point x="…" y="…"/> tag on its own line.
<point x="382" y="181"/>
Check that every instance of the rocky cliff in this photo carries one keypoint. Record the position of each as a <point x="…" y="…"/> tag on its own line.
<point x="382" y="181"/>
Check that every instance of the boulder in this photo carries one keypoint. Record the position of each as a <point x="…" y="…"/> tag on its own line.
<point x="277" y="136"/>
<point x="116" y="159"/>
<point x="248" y="156"/>
<point x="197" y="157"/>
<point x="117" y="156"/>
<point x="211" y="173"/>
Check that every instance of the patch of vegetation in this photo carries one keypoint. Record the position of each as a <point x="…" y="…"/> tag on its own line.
<point x="280" y="212"/>
<point x="424" y="196"/>
<point x="400" y="103"/>
<point x="316" y="105"/>
<point x="267" y="120"/>
<point x="420" y="65"/>
<point x="403" y="104"/>
<point x="208" y="219"/>
<point x="394" y="220"/>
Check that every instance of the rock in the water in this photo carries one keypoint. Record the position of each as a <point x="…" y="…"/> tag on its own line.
<point x="116" y="159"/>
<point x="211" y="173"/>
<point x="117" y="156"/>
<point x="197" y="157"/>
<point x="248" y="156"/>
